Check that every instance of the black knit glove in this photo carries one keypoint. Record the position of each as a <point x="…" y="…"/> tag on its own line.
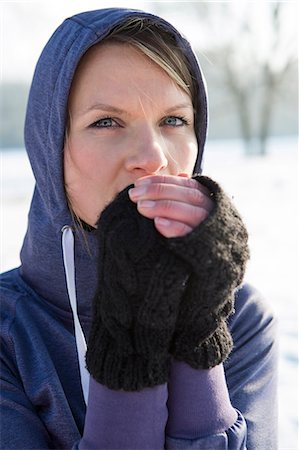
<point x="140" y="286"/>
<point x="217" y="252"/>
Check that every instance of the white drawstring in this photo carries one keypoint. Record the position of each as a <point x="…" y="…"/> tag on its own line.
<point x="68" y="249"/>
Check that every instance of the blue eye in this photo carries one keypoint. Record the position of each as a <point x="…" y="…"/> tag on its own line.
<point x="106" y="122"/>
<point x="174" y="121"/>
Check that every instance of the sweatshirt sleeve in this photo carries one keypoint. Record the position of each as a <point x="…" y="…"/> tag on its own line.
<point x="201" y="415"/>
<point x="117" y="419"/>
<point x="234" y="438"/>
<point x="21" y="427"/>
<point x="134" y="420"/>
<point x="251" y="378"/>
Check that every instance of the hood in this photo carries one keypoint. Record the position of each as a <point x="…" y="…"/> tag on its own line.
<point x="41" y="255"/>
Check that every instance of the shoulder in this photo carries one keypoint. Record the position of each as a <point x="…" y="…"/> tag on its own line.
<point x="10" y="293"/>
<point x="253" y="328"/>
<point x="252" y="311"/>
<point x="14" y="297"/>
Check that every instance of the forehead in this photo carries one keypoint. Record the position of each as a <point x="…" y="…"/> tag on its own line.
<point x="121" y="71"/>
<point x="110" y="54"/>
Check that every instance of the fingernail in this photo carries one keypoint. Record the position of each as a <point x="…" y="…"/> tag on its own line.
<point x="146" y="204"/>
<point x="161" y="221"/>
<point x="137" y="191"/>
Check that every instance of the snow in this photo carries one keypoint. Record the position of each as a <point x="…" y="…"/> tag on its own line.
<point x="265" y="190"/>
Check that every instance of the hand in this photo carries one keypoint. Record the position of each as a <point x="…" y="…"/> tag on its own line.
<point x="137" y="301"/>
<point x="217" y="253"/>
<point x="176" y="203"/>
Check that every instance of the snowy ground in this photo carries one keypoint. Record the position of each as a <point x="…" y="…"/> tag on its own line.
<point x="265" y="191"/>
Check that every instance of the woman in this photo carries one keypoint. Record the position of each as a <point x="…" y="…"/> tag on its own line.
<point x="128" y="250"/>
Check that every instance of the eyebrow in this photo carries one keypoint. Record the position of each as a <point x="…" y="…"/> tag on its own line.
<point x="180" y="106"/>
<point x="113" y="109"/>
<point x="104" y="107"/>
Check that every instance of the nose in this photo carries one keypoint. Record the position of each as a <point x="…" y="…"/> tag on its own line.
<point x="148" y="153"/>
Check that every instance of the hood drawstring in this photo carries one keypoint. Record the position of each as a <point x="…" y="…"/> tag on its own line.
<point x="68" y="249"/>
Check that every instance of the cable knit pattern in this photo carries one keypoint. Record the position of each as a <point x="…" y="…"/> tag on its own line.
<point x="135" y="309"/>
<point x="159" y="296"/>
<point x="217" y="253"/>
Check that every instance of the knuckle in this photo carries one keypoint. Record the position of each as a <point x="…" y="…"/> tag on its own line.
<point x="177" y="229"/>
<point x="158" y="189"/>
<point x="196" y="196"/>
<point x="203" y="214"/>
<point x="168" y="206"/>
<point x="192" y="183"/>
<point x="198" y="215"/>
<point x="182" y="229"/>
<point x="159" y="179"/>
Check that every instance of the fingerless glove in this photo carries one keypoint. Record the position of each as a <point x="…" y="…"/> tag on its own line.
<point x="216" y="252"/>
<point x="135" y="308"/>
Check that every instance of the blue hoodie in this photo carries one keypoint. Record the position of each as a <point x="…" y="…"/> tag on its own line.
<point x="42" y="399"/>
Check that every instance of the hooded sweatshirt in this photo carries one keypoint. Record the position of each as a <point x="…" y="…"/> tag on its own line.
<point x="46" y="302"/>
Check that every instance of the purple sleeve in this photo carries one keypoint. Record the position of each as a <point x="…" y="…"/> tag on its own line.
<point x="198" y="402"/>
<point x="234" y="438"/>
<point x="201" y="416"/>
<point x="125" y="420"/>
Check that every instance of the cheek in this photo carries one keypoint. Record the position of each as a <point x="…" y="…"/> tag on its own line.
<point x="186" y="156"/>
<point x="83" y="160"/>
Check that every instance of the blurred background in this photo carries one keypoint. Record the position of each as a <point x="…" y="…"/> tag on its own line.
<point x="248" y="51"/>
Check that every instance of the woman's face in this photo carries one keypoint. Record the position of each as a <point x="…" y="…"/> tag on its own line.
<point x="128" y="119"/>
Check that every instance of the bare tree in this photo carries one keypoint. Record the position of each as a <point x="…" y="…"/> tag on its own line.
<point x="271" y="77"/>
<point x="253" y="47"/>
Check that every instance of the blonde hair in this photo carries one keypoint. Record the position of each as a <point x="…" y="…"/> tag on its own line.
<point x="158" y="45"/>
